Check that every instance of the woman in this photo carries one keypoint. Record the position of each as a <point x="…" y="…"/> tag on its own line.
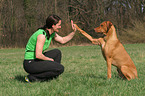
<point x="45" y="65"/>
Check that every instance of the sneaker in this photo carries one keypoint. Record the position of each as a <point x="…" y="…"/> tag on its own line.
<point x="27" y="79"/>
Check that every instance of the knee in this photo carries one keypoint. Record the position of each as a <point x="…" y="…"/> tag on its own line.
<point x="57" y="51"/>
<point x="61" y="69"/>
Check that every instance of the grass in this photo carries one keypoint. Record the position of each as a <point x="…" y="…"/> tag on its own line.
<point x="85" y="74"/>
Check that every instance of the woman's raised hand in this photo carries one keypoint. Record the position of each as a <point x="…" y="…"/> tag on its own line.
<point x="73" y="27"/>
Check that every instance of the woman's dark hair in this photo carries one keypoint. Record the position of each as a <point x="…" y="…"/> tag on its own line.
<point x="51" y="20"/>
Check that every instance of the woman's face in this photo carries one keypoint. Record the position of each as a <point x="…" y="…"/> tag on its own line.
<point x="57" y="26"/>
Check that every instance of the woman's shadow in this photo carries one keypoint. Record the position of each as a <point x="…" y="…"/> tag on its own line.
<point x="20" y="78"/>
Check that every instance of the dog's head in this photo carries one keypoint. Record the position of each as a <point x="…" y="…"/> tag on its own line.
<point x="104" y="27"/>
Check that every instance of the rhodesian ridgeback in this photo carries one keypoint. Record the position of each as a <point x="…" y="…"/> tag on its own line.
<point x="113" y="51"/>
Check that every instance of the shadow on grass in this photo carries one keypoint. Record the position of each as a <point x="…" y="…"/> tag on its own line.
<point x="103" y="77"/>
<point x="95" y="76"/>
<point x="20" y="78"/>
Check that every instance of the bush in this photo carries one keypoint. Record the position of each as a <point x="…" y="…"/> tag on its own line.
<point x="135" y="33"/>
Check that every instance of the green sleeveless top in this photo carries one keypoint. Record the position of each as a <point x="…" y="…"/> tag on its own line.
<point x="31" y="45"/>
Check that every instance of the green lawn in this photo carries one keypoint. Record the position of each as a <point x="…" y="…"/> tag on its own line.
<point x="85" y="74"/>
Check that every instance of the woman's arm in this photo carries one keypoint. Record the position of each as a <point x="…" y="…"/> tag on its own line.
<point x="39" y="48"/>
<point x="66" y="38"/>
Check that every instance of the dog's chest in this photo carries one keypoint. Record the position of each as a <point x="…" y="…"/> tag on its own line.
<point x="107" y="50"/>
<point x="103" y="50"/>
<point x="102" y="46"/>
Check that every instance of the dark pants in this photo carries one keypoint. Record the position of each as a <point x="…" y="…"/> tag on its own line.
<point x="40" y="70"/>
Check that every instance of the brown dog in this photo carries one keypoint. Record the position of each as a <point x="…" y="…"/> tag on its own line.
<point x="113" y="51"/>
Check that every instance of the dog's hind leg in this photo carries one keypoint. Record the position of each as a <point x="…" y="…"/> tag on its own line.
<point x="127" y="72"/>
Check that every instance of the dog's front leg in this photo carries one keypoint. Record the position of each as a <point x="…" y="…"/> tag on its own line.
<point x="109" y="61"/>
<point x="96" y="41"/>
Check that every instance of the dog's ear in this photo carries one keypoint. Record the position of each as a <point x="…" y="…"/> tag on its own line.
<point x="109" y="24"/>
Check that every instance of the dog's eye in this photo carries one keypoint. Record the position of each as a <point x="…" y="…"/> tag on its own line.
<point x="101" y="25"/>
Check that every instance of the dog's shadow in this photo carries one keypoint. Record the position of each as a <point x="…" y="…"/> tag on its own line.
<point x="102" y="77"/>
<point x="95" y="76"/>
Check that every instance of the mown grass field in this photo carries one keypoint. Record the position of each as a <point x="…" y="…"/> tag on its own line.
<point x="85" y="74"/>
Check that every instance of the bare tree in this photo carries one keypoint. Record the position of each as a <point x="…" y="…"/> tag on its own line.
<point x="21" y="18"/>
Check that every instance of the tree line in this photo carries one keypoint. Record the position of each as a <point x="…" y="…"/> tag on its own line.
<point x="19" y="19"/>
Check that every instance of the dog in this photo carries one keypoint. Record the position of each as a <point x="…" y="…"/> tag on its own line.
<point x="113" y="51"/>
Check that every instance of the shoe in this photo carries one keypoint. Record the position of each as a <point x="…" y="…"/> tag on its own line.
<point x="27" y="79"/>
